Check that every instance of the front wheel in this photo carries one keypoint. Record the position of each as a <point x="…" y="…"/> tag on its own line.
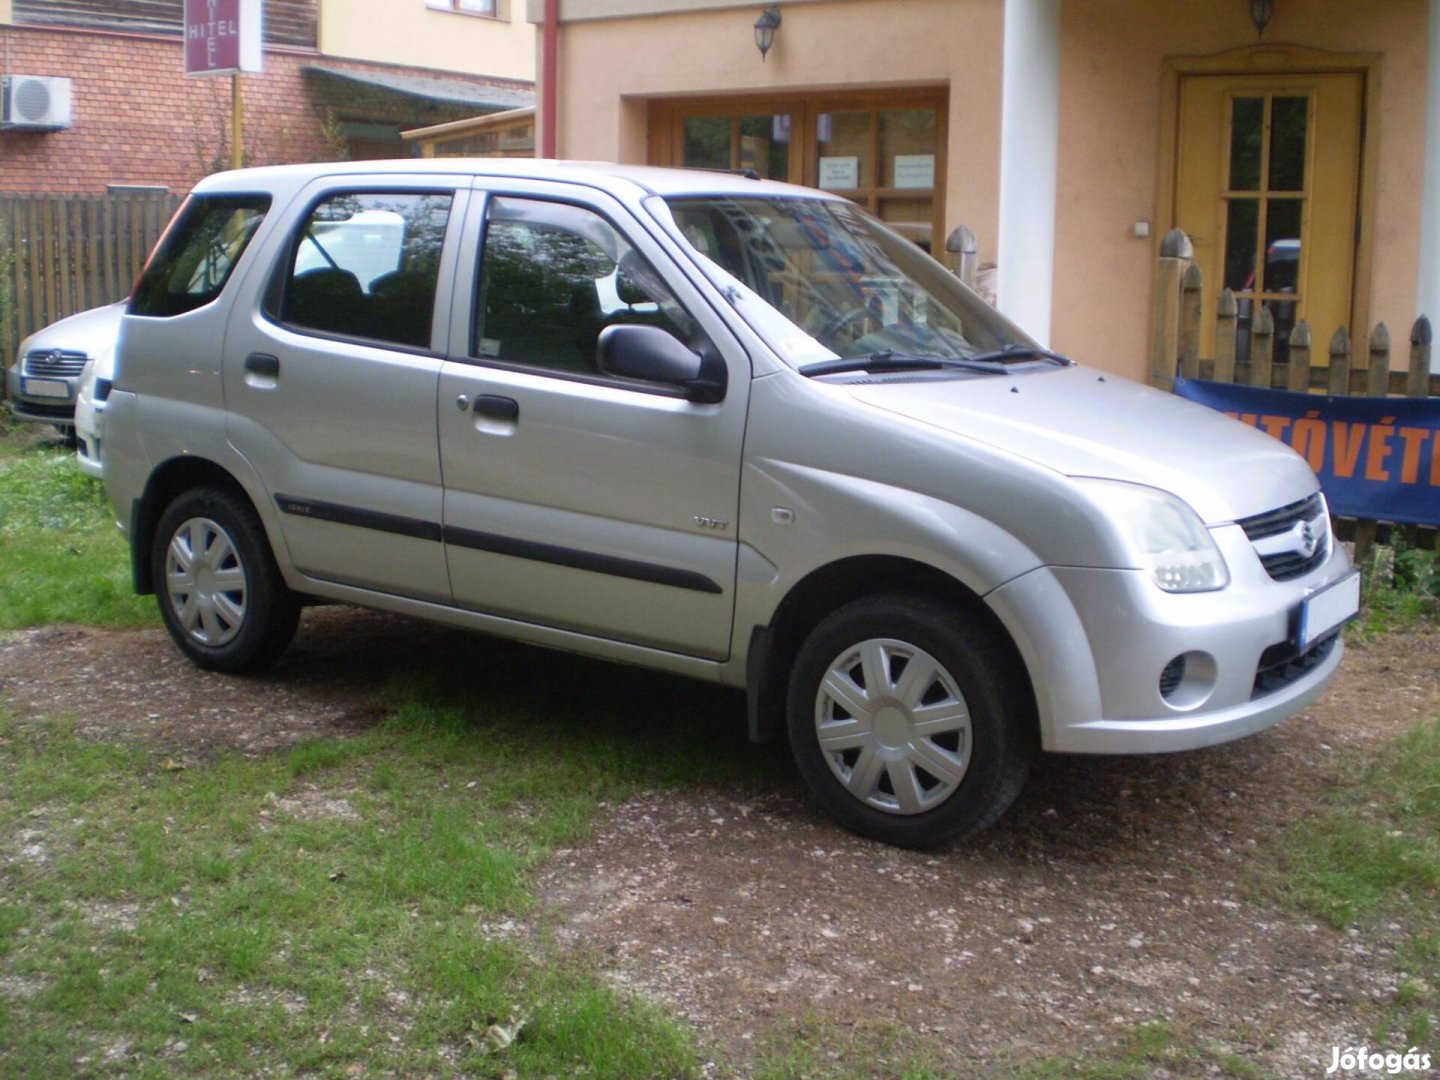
<point x="908" y="721"/>
<point x="221" y="595"/>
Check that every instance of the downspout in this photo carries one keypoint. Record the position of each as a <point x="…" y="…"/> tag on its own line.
<point x="549" y="91"/>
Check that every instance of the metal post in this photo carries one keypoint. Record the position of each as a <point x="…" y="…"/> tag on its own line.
<point x="237" y="118"/>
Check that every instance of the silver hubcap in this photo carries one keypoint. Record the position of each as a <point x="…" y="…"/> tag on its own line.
<point x="206" y="582"/>
<point x="893" y="726"/>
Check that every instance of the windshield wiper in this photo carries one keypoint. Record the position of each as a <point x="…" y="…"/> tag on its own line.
<point x="1016" y="351"/>
<point x="889" y="360"/>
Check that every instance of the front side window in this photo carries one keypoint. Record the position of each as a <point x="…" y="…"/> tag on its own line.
<point x="851" y="286"/>
<point x="199" y="250"/>
<point x="552" y="276"/>
<point x="366" y="265"/>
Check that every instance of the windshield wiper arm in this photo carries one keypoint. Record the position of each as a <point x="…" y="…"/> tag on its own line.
<point x="1016" y="351"/>
<point x="895" y="361"/>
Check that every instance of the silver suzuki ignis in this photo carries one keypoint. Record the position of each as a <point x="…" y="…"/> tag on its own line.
<point x="720" y="427"/>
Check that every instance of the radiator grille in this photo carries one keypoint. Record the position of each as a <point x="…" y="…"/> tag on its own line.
<point x="1292" y="540"/>
<point x="54" y="363"/>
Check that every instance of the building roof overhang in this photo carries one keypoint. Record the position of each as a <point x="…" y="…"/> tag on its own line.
<point x="480" y="97"/>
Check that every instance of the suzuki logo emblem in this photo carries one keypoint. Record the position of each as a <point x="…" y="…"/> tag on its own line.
<point x="1308" y="540"/>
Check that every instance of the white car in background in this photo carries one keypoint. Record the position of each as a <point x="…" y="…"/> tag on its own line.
<point x="101" y="329"/>
<point x="62" y="377"/>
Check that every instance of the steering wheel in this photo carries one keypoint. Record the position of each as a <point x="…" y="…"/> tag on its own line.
<point x="842" y="322"/>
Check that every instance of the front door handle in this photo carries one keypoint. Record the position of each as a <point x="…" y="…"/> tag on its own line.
<point x="259" y="363"/>
<point x="495" y="407"/>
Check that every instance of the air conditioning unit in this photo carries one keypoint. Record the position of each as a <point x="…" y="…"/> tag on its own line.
<point x="35" y="103"/>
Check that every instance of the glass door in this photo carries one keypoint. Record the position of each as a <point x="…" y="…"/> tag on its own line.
<point x="884" y="150"/>
<point x="884" y="159"/>
<point x="1267" y="186"/>
<point x="757" y="142"/>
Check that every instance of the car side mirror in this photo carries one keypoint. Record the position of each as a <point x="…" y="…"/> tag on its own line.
<point x="649" y="354"/>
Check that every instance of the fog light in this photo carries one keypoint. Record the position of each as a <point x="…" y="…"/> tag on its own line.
<point x="1188" y="680"/>
<point x="1171" y="676"/>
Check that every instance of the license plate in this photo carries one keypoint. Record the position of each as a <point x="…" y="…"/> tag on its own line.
<point x="45" y="388"/>
<point x="1333" y="606"/>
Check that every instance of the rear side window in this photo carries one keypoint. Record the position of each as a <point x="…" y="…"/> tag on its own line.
<point x="366" y="265"/>
<point x="199" y="251"/>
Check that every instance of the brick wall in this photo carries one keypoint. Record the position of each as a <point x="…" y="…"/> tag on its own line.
<point x="137" y="119"/>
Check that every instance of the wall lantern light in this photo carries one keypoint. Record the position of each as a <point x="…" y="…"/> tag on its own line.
<point x="765" y="27"/>
<point x="1260" y="14"/>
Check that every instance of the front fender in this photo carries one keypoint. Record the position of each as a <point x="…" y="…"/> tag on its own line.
<point x="789" y="515"/>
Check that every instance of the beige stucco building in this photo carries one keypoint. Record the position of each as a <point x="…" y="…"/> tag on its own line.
<point x="1069" y="134"/>
<point x="483" y="37"/>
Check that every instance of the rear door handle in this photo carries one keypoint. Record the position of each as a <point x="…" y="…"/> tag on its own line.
<point x="259" y="363"/>
<point x="495" y="407"/>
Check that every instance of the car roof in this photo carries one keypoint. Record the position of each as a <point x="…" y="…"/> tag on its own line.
<point x="633" y="180"/>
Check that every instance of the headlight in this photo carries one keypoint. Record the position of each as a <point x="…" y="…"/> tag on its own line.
<point x="1163" y="535"/>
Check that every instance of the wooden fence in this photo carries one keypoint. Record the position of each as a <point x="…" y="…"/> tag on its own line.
<point x="1343" y="369"/>
<point x="63" y="254"/>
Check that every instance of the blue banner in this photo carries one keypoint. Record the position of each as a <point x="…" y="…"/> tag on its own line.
<point x="1377" y="458"/>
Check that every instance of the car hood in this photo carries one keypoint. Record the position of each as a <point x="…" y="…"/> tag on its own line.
<point x="1081" y="422"/>
<point x="92" y="332"/>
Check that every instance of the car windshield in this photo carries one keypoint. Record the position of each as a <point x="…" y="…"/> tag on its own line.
<point x="849" y="285"/>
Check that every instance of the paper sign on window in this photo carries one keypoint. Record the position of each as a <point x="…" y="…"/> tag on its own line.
<point x="839" y="173"/>
<point x="914" y="170"/>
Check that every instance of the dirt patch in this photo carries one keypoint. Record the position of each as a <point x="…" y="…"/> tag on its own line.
<point x="134" y="685"/>
<point x="1111" y="894"/>
<point x="1114" y="892"/>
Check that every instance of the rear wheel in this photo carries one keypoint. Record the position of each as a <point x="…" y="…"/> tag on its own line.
<point x="220" y="593"/>
<point x="908" y="721"/>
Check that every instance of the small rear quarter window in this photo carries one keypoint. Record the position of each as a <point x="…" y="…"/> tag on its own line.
<point x="199" y="250"/>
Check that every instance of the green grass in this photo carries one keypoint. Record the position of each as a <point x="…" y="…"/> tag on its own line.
<point x="1377" y="848"/>
<point x="814" y="1050"/>
<point x="1372" y="856"/>
<point x="1401" y="589"/>
<point x="1143" y="1051"/>
<point x="61" y="557"/>
<point x="320" y="911"/>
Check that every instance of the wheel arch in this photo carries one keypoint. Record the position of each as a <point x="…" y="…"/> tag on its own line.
<point x="169" y="479"/>
<point x="773" y="647"/>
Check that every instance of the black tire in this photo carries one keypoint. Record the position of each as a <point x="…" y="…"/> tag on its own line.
<point x="247" y="627"/>
<point x="977" y="689"/>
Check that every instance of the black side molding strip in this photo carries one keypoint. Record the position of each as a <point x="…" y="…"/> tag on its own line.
<point x="580" y="560"/>
<point x="363" y="519"/>
<point x="613" y="565"/>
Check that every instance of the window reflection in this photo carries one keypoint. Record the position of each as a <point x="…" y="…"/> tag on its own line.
<point x="759" y="143"/>
<point x="1288" y="121"/>
<point x="1247" y="134"/>
<point x="1264" y="233"/>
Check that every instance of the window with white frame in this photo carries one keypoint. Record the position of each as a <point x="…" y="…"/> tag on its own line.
<point x="468" y="7"/>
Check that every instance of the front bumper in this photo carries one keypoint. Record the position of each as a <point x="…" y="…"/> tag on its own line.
<point x="88" y="416"/>
<point x="1097" y="643"/>
<point x="41" y="409"/>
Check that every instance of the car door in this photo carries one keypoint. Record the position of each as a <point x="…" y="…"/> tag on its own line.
<point x="574" y="499"/>
<point x="331" y="373"/>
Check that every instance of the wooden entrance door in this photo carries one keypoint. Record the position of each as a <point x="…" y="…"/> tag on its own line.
<point x="1267" y="184"/>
